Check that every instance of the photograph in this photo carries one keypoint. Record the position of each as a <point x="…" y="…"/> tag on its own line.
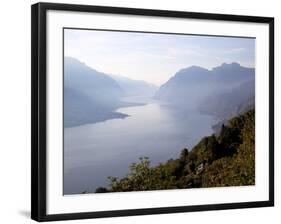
<point x="146" y="111"/>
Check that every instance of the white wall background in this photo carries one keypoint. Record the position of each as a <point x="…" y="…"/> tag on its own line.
<point x="15" y="110"/>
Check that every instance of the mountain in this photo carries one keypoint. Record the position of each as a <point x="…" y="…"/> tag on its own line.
<point x="233" y="73"/>
<point x="89" y="96"/>
<point x="80" y="109"/>
<point x="196" y="87"/>
<point x="182" y="89"/>
<point x="135" y="87"/>
<point x="229" y="103"/>
<point x="96" y="85"/>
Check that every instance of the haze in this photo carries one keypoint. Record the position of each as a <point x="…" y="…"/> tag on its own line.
<point x="154" y="58"/>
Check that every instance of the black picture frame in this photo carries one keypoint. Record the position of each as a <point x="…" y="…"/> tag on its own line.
<point x="38" y="108"/>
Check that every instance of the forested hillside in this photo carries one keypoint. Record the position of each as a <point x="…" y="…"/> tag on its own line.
<point x="227" y="159"/>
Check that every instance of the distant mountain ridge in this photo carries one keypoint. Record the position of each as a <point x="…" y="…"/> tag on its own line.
<point x="233" y="73"/>
<point x="94" y="84"/>
<point x="90" y="96"/>
<point x="133" y="87"/>
<point x="197" y="88"/>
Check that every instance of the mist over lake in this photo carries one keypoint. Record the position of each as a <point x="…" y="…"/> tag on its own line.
<point x="92" y="152"/>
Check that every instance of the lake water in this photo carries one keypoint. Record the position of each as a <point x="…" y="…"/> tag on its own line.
<point x="93" y="152"/>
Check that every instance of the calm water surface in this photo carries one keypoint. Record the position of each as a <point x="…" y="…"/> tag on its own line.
<point x="93" y="152"/>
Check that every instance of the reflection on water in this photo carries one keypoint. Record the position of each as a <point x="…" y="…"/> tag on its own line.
<point x="93" y="152"/>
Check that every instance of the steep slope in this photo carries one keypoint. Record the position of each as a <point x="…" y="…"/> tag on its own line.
<point x="94" y="84"/>
<point x="229" y="103"/>
<point x="193" y="87"/>
<point x="182" y="89"/>
<point x="80" y="109"/>
<point x="89" y="96"/>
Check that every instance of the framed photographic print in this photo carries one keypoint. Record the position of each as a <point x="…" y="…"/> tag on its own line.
<point x="139" y="111"/>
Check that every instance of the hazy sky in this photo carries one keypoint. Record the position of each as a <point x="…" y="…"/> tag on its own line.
<point x="154" y="57"/>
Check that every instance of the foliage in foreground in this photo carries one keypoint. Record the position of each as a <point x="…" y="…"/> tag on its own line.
<point x="216" y="161"/>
